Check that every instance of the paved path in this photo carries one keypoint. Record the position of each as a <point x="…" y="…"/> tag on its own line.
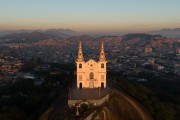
<point x="143" y="113"/>
<point x="124" y="107"/>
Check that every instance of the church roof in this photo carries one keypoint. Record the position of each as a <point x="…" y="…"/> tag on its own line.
<point x="91" y="60"/>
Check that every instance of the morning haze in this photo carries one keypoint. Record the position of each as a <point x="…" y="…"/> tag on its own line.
<point x="90" y="16"/>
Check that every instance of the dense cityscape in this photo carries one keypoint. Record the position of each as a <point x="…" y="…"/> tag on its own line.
<point x="89" y="60"/>
<point x="130" y="54"/>
<point x="135" y="57"/>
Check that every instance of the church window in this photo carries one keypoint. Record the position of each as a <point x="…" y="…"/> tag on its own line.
<point x="80" y="77"/>
<point x="80" y="65"/>
<point x="91" y="75"/>
<point x="102" y="77"/>
<point x="102" y="65"/>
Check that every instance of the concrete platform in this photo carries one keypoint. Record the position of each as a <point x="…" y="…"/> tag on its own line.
<point x="95" y="96"/>
<point x="88" y="93"/>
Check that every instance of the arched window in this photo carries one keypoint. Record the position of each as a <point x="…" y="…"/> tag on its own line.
<point x="80" y="65"/>
<point x="80" y="77"/>
<point x="102" y="77"/>
<point x="91" y="75"/>
<point x="102" y="65"/>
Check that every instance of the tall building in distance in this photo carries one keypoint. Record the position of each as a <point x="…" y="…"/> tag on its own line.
<point x="91" y="74"/>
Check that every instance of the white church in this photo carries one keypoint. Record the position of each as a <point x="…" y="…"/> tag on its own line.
<point x="91" y="77"/>
<point x="91" y="73"/>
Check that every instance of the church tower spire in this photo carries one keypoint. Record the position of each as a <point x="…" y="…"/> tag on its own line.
<point x="102" y="54"/>
<point x="80" y="57"/>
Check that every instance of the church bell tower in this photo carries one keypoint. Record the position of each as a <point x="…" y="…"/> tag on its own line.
<point x="102" y="66"/>
<point x="102" y="54"/>
<point x="80" y="53"/>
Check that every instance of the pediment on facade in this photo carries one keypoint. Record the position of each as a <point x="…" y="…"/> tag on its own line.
<point x="91" y="61"/>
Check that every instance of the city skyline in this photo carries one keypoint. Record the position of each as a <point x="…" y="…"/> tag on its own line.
<point x="90" y="16"/>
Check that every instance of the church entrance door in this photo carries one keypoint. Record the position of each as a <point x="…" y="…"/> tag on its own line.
<point x="91" y="85"/>
<point x="80" y="85"/>
<point x="102" y="85"/>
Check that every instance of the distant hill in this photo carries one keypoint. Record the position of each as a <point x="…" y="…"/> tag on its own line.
<point x="141" y="36"/>
<point x="171" y="33"/>
<point x="4" y="33"/>
<point x="62" y="33"/>
<point x="81" y="37"/>
<point x="26" y="37"/>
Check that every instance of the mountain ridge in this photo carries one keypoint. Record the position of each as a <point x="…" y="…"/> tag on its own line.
<point x="55" y="32"/>
<point x="167" y="32"/>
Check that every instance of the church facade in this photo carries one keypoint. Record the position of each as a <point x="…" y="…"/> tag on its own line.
<point x="91" y="73"/>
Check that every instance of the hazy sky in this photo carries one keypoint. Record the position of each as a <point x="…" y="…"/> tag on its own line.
<point x="90" y="15"/>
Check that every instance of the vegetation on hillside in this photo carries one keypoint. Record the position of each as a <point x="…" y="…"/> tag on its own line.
<point x="161" y="98"/>
<point x="23" y="99"/>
